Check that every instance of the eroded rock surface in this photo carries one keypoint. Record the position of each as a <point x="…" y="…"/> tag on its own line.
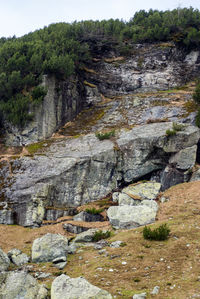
<point x="64" y="287"/>
<point x="76" y="171"/>
<point x="21" y="285"/>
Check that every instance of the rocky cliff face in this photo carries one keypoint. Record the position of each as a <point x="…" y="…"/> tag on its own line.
<point x="147" y="68"/>
<point x="64" y="100"/>
<point x="70" y="171"/>
<point x="75" y="171"/>
<point x="150" y="67"/>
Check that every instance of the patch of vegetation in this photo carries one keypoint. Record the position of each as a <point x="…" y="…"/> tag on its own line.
<point x="136" y="279"/>
<point x="196" y="94"/>
<point x="123" y="244"/>
<point x="34" y="147"/>
<point x="160" y="233"/>
<point x="197" y="120"/>
<point x="191" y="106"/>
<point x="175" y="128"/>
<point x="58" y="273"/>
<point x="94" y="211"/>
<point x="99" y="235"/>
<point x="106" y="135"/>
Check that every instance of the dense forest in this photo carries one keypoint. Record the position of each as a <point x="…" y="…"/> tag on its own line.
<point x="62" y="49"/>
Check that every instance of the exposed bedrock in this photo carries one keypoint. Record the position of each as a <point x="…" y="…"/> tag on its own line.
<point x="149" y="67"/>
<point x="64" y="100"/>
<point x="79" y="170"/>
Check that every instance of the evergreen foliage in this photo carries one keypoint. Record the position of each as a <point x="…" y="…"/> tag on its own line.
<point x="196" y="94"/>
<point x="99" y="235"/>
<point x="94" y="211"/>
<point x="160" y="233"/>
<point x="61" y="49"/>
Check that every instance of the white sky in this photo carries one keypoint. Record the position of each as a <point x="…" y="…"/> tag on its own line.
<point x="18" y="17"/>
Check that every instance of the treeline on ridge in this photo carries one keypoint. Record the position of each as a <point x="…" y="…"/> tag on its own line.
<point x="61" y="49"/>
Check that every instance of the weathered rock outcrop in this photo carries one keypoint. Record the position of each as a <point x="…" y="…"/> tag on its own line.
<point x="151" y="67"/>
<point x="76" y="171"/>
<point x="64" y="287"/>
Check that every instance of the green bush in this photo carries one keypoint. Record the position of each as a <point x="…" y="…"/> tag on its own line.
<point x="99" y="235"/>
<point x="170" y="132"/>
<point x="94" y="211"/>
<point x="107" y="135"/>
<point x="160" y="233"/>
<point x="197" y="120"/>
<point x="175" y="128"/>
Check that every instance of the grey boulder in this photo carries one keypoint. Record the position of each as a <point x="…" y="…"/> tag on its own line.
<point x="17" y="257"/>
<point x="49" y="247"/>
<point x="20" y="285"/>
<point x="86" y="236"/>
<point x="4" y="261"/>
<point x="147" y="190"/>
<point x="185" y="158"/>
<point x="64" y="287"/>
<point x="127" y="217"/>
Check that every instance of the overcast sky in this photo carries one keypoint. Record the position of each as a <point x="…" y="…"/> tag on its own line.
<point x="18" y="17"/>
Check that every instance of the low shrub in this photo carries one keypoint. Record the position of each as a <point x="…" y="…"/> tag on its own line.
<point x="196" y="94"/>
<point x="197" y="120"/>
<point x="160" y="233"/>
<point x="175" y="128"/>
<point x="94" y="211"/>
<point x="106" y="135"/>
<point x="99" y="235"/>
<point x="170" y="132"/>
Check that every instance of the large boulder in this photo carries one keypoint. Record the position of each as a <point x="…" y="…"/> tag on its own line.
<point x="4" y="261"/>
<point x="127" y="217"/>
<point x="49" y="247"/>
<point x="22" y="286"/>
<point x="64" y="287"/>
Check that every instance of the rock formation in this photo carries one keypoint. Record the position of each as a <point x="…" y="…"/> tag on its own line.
<point x="76" y="171"/>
